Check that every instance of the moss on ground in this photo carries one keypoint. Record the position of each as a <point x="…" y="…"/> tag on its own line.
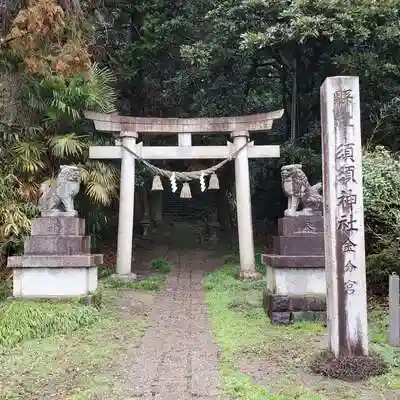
<point x="260" y="361"/>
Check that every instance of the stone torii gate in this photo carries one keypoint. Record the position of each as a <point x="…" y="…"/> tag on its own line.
<point x="127" y="130"/>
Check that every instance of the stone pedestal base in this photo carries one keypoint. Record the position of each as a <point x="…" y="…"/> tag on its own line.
<point x="296" y="281"/>
<point x="124" y="277"/>
<point x="249" y="275"/>
<point x="41" y="283"/>
<point x="287" y="309"/>
<point x="57" y="262"/>
<point x="296" y="287"/>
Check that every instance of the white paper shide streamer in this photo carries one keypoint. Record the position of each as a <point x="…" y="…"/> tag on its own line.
<point x="202" y="182"/>
<point x="174" y="186"/>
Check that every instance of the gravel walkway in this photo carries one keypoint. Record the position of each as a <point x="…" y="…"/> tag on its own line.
<point x="177" y="359"/>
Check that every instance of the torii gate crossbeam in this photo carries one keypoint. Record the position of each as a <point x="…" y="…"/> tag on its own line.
<point x="128" y="129"/>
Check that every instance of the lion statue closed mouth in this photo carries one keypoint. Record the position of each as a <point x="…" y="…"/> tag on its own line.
<point x="299" y="191"/>
<point x="60" y="197"/>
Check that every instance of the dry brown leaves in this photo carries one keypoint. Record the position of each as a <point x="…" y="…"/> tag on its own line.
<point x="38" y="34"/>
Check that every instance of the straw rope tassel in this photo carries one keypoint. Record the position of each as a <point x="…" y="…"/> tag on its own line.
<point x="157" y="184"/>
<point x="214" y="182"/>
<point x="185" y="192"/>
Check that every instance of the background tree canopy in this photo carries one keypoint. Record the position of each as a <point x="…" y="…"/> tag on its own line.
<point x="204" y="58"/>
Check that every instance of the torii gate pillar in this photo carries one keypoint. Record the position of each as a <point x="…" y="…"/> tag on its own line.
<point x="243" y="207"/>
<point x="126" y="206"/>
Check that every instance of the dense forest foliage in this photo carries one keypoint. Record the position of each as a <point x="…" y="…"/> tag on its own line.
<point x="201" y="58"/>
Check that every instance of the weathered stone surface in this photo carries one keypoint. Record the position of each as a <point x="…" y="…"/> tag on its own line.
<point x="285" y="318"/>
<point x="344" y="224"/>
<point x="31" y="283"/>
<point x="125" y="277"/>
<point x="299" y="191"/>
<point x="58" y="213"/>
<point x="60" y="197"/>
<point x="281" y="318"/>
<point x="123" y="125"/>
<point x="290" y="225"/>
<point x="296" y="284"/>
<point x="57" y="245"/>
<point x="93" y="299"/>
<point x="279" y="261"/>
<point x="308" y="303"/>
<point x="317" y="316"/>
<point x="55" y="261"/>
<point x="296" y="281"/>
<point x="311" y="244"/>
<point x="60" y="225"/>
<point x="274" y="303"/>
<point x="394" y="310"/>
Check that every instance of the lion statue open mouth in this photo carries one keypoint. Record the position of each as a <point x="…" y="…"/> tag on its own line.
<point x="60" y="197"/>
<point x="299" y="191"/>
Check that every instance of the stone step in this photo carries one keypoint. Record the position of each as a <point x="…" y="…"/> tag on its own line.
<point x="284" y="261"/>
<point x="58" y="225"/>
<point x="311" y="244"/>
<point x="288" y="226"/>
<point x="57" y="245"/>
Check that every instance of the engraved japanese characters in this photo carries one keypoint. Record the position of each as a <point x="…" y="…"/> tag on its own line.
<point x="344" y="242"/>
<point x="61" y="195"/>
<point x="299" y="192"/>
<point x="347" y="224"/>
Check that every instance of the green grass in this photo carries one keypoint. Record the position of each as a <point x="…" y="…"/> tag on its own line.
<point x="24" y="320"/>
<point x="152" y="283"/>
<point x="161" y="265"/>
<point x="86" y="363"/>
<point x="239" y="328"/>
<point x="278" y="357"/>
<point x="379" y="323"/>
<point x="66" y="350"/>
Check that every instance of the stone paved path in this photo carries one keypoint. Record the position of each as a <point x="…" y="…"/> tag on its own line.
<point x="177" y="359"/>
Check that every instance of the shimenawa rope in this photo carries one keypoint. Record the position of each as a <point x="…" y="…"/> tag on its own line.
<point x="189" y="175"/>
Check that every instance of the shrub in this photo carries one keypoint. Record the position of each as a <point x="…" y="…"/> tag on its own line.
<point x="161" y="265"/>
<point x="381" y="182"/>
<point x="105" y="272"/>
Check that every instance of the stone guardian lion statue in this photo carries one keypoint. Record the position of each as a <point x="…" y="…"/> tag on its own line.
<point x="60" y="197"/>
<point x="299" y="191"/>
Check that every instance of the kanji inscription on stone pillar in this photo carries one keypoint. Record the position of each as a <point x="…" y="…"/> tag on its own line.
<point x="344" y="216"/>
